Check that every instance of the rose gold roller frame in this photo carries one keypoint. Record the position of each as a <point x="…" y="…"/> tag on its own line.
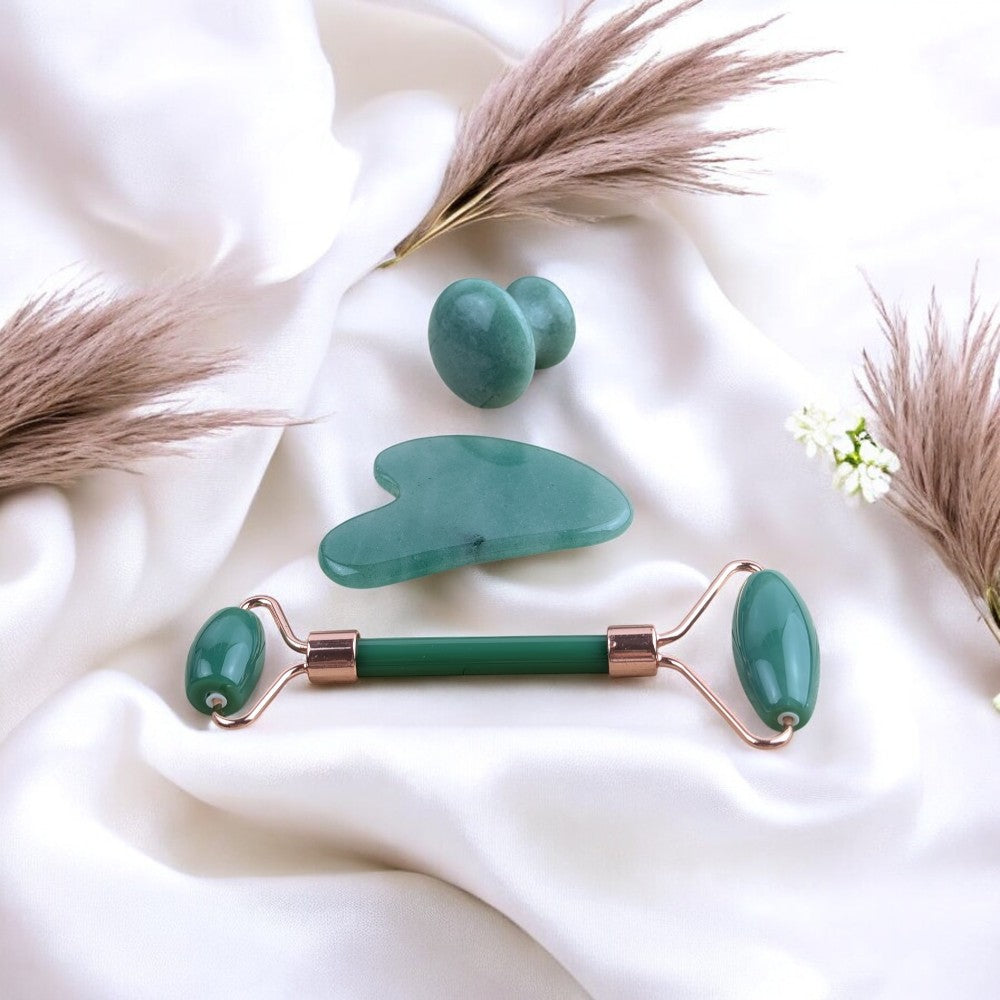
<point x="633" y="651"/>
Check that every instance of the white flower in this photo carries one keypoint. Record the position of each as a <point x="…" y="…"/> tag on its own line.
<point x="871" y="481"/>
<point x="816" y="428"/>
<point x="861" y="466"/>
<point x="872" y="454"/>
<point x="847" y="477"/>
<point x="875" y="482"/>
<point x="850" y="430"/>
<point x="842" y="445"/>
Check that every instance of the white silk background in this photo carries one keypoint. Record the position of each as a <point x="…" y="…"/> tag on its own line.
<point x="555" y="838"/>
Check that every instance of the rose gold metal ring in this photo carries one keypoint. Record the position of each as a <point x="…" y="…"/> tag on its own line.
<point x="632" y="651"/>
<point x="332" y="657"/>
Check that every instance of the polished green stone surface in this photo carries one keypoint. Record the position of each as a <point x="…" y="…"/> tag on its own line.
<point x="550" y="316"/>
<point x="481" y="344"/>
<point x="775" y="648"/>
<point x="466" y="499"/>
<point x="226" y="658"/>
<point x="510" y="654"/>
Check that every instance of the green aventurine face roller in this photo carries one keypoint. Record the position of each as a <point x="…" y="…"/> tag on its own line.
<point x="774" y="646"/>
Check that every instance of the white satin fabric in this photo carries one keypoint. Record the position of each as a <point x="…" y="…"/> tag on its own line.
<point x="490" y="838"/>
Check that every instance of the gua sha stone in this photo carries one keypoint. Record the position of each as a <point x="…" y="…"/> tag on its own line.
<point x="776" y="649"/>
<point x="465" y="499"/>
<point x="486" y="342"/>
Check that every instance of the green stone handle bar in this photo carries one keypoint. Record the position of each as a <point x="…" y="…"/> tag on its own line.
<point x="774" y="647"/>
<point x="482" y="656"/>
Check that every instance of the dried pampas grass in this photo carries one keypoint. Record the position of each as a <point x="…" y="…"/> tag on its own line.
<point x="937" y="407"/>
<point x="567" y="123"/>
<point x="89" y="380"/>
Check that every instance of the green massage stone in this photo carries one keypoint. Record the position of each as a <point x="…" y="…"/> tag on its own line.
<point x="464" y="499"/>
<point x="225" y="661"/>
<point x="481" y="344"/>
<point x="549" y="315"/>
<point x="775" y="648"/>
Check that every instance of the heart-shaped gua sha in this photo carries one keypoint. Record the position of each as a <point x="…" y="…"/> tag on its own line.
<point x="464" y="499"/>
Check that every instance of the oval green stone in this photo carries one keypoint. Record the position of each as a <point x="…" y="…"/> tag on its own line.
<point x="225" y="659"/>
<point x="550" y="316"/>
<point x="481" y="344"/>
<point x="775" y="648"/>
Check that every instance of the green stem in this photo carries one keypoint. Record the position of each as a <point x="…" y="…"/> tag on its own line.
<point x="992" y="618"/>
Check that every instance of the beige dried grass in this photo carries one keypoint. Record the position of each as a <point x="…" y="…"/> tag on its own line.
<point x="92" y="380"/>
<point x="565" y="123"/>
<point x="937" y="406"/>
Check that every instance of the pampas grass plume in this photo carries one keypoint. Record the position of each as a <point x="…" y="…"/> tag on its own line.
<point x="91" y="379"/>
<point x="568" y="122"/>
<point x="937" y="406"/>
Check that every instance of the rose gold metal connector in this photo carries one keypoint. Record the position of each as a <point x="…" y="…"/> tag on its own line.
<point x="632" y="651"/>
